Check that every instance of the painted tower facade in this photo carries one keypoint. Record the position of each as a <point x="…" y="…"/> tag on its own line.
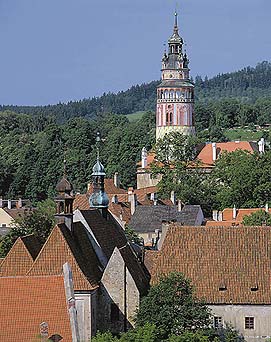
<point x="175" y="94"/>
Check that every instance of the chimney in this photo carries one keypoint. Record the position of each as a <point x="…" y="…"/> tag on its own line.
<point x="267" y="208"/>
<point x="132" y="199"/>
<point x="115" y="199"/>
<point x="144" y="155"/>
<point x="9" y="204"/>
<point x="214" y="151"/>
<point x="180" y="206"/>
<point x="1" y="202"/>
<point x="220" y="216"/>
<point x="215" y="215"/>
<point x="261" y="144"/>
<point x="116" y="180"/>
<point x="234" y="213"/>
<point x="19" y="203"/>
<point x="152" y="196"/>
<point x="173" y="197"/>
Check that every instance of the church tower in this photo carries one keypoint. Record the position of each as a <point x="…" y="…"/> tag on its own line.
<point x="175" y="94"/>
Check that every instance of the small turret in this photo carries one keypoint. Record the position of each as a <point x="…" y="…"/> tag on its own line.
<point x="64" y="201"/>
<point x="98" y="198"/>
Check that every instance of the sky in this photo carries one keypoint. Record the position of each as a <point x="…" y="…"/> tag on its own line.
<point x="55" y="51"/>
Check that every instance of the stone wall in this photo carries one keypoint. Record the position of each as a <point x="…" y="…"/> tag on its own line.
<point x="118" y="290"/>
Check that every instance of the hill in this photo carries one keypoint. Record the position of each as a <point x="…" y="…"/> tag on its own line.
<point x="246" y="85"/>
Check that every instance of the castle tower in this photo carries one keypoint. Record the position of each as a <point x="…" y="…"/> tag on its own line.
<point x="175" y="94"/>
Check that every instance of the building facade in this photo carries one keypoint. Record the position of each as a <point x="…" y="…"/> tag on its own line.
<point x="175" y="94"/>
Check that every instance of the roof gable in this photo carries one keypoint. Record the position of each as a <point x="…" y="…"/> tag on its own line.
<point x="76" y="249"/>
<point x="237" y="258"/>
<point x="110" y="235"/>
<point x="33" y="300"/>
<point x="21" y="256"/>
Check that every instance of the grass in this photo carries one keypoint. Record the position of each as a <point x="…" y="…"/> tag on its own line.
<point x="244" y="134"/>
<point x="134" y="116"/>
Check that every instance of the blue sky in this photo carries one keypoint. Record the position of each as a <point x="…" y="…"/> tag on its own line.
<point x="60" y="50"/>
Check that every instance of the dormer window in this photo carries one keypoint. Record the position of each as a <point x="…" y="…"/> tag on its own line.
<point x="254" y="288"/>
<point x="222" y="288"/>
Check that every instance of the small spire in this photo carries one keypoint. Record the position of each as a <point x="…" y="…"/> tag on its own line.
<point x="98" y="139"/>
<point x="176" y="20"/>
<point x="65" y="168"/>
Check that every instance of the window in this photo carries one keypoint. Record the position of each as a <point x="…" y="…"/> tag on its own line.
<point x="218" y="323"/>
<point x="169" y="118"/>
<point x="114" y="313"/>
<point x="249" y="322"/>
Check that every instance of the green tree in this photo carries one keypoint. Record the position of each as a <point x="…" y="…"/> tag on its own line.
<point x="38" y="222"/>
<point x="258" y="218"/>
<point x="172" y="307"/>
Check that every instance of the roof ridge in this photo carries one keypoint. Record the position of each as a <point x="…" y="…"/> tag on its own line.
<point x="58" y="229"/>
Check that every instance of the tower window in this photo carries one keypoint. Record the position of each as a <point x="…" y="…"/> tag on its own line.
<point x="169" y="119"/>
<point x="249" y="322"/>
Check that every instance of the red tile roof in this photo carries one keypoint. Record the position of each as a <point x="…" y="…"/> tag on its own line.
<point x="234" y="258"/>
<point x="26" y="302"/>
<point x="76" y="249"/>
<point x="18" y="212"/>
<point x="20" y="257"/>
<point x="206" y="154"/>
<point x="81" y="202"/>
<point x="228" y="219"/>
<point x="109" y="187"/>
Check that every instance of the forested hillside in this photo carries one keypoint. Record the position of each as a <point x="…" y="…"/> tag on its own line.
<point x="246" y="85"/>
<point x="35" y="140"/>
<point x="33" y="150"/>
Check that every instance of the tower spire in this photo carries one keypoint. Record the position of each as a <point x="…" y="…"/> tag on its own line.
<point x="175" y="22"/>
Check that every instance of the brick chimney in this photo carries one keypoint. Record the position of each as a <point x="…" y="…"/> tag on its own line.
<point x="214" y="151"/>
<point x="132" y="199"/>
<point x="144" y="155"/>
<point x="173" y="197"/>
<point x="116" y="180"/>
<point x="261" y="144"/>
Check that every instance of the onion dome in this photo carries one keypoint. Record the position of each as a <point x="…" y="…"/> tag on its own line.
<point x="99" y="199"/>
<point x="64" y="185"/>
<point x="98" y="169"/>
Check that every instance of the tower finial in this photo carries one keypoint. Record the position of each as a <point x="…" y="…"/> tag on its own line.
<point x="98" y="139"/>
<point x="64" y="167"/>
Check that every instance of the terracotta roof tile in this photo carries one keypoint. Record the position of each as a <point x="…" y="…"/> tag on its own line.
<point x="228" y="219"/>
<point x="109" y="187"/>
<point x="18" y="212"/>
<point x="81" y="202"/>
<point x="206" y="154"/>
<point x="20" y="257"/>
<point x="62" y="246"/>
<point x="26" y="302"/>
<point x="121" y="210"/>
<point x="237" y="258"/>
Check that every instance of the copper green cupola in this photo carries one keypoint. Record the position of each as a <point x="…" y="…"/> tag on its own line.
<point x="98" y="198"/>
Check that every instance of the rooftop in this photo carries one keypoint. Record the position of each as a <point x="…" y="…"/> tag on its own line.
<point x="225" y="264"/>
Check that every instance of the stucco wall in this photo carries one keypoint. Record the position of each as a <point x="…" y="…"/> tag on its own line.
<point x="235" y="315"/>
<point x="119" y="287"/>
<point x="144" y="180"/>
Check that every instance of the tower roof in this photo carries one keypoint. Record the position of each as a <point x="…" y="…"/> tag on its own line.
<point x="98" y="169"/>
<point x="64" y="185"/>
<point x="175" y="38"/>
